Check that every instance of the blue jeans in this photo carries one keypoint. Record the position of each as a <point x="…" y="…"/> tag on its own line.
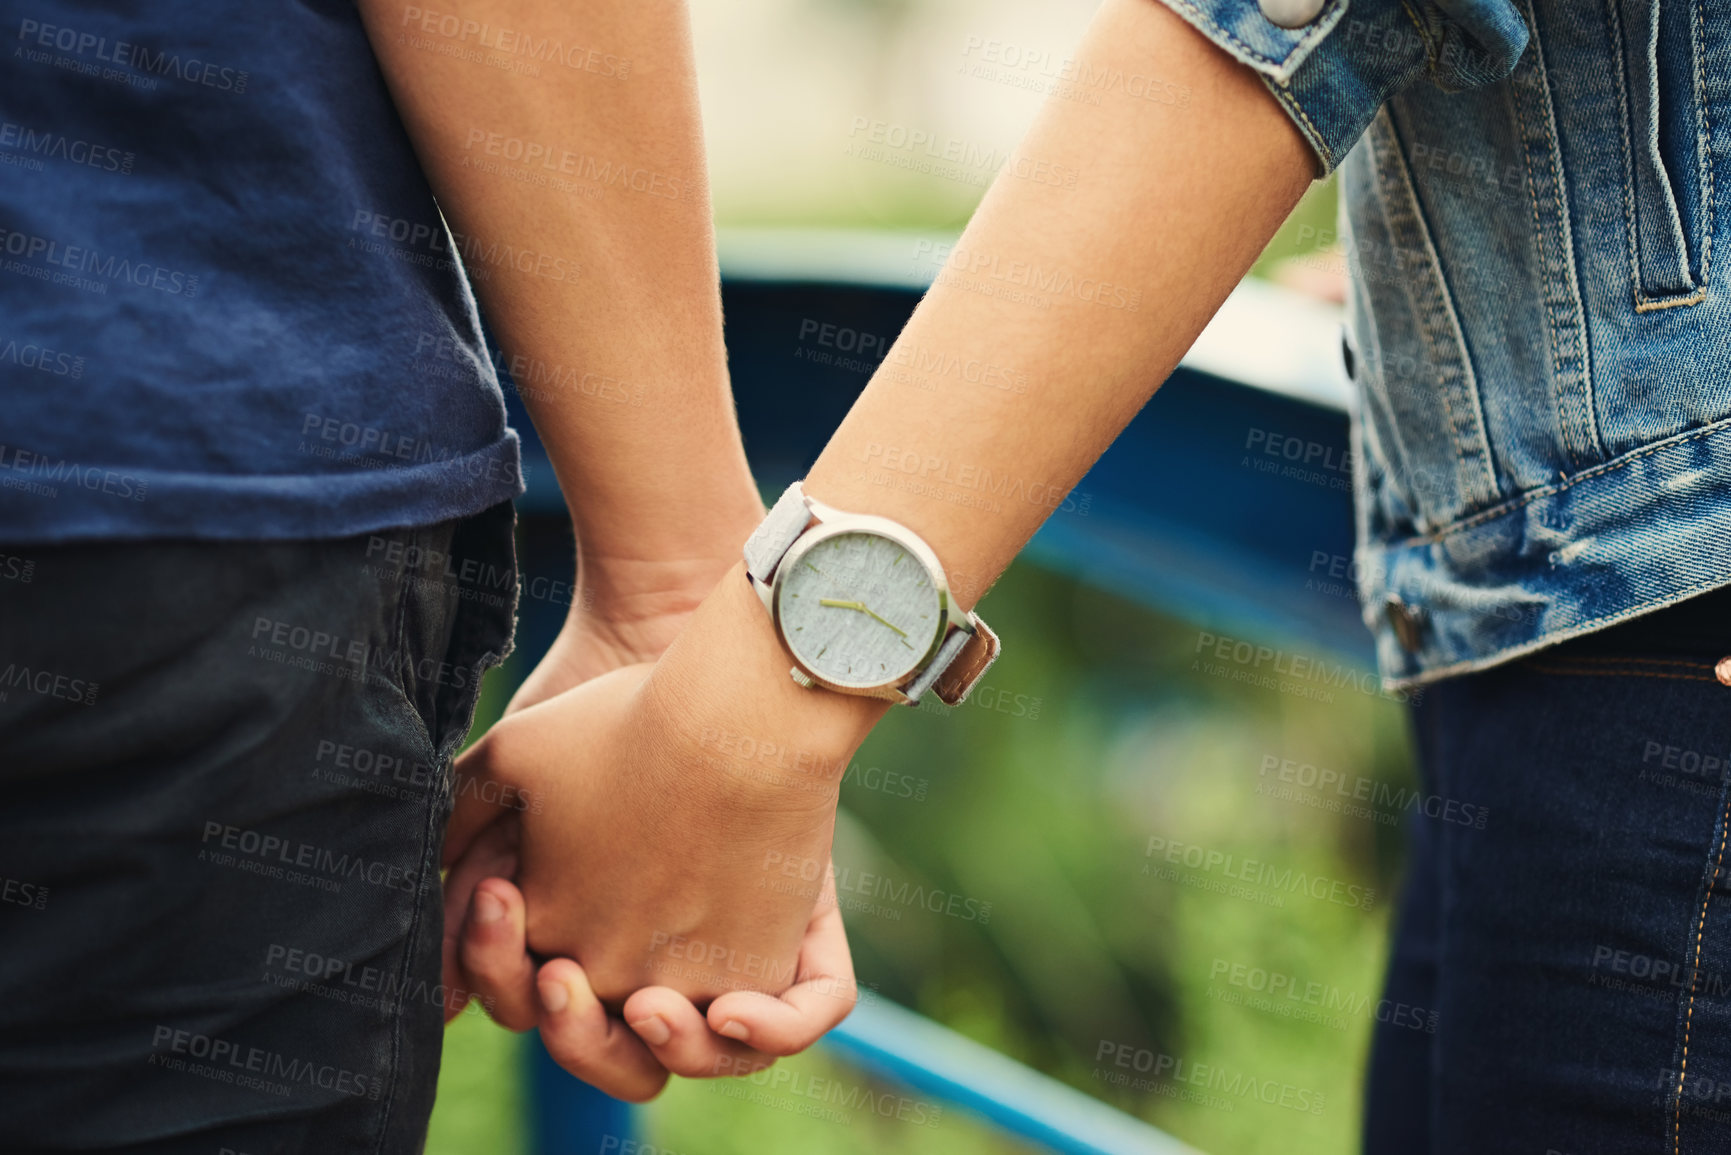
<point x="224" y="778"/>
<point x="1577" y="950"/>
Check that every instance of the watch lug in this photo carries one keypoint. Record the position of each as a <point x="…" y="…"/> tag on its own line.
<point x="817" y="508"/>
<point x="765" y="593"/>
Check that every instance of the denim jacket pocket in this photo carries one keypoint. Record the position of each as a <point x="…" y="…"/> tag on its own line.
<point x="1668" y="182"/>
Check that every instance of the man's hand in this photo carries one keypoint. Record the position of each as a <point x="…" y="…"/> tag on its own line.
<point x="596" y="1046"/>
<point x="658" y="812"/>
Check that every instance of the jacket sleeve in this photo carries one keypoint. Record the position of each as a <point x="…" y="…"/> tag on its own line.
<point x="1332" y="63"/>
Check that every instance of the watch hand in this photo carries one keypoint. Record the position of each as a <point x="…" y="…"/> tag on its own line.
<point x="886" y="622"/>
<point x="862" y="608"/>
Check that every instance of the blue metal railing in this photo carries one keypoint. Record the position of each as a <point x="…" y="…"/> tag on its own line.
<point x="896" y="1044"/>
<point x="1188" y="513"/>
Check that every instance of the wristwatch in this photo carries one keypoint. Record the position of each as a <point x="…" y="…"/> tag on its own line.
<point x="862" y="606"/>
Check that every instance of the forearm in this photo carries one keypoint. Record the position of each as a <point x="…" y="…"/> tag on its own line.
<point x="1069" y="305"/>
<point x="991" y="406"/>
<point x="611" y="313"/>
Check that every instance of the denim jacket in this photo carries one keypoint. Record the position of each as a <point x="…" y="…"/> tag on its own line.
<point x="1542" y="442"/>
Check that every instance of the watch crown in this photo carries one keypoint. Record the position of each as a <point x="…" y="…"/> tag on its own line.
<point x="802" y="678"/>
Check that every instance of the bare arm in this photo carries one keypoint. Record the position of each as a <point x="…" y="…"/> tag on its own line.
<point x="1076" y="302"/>
<point x="564" y="144"/>
<point x="1069" y="305"/>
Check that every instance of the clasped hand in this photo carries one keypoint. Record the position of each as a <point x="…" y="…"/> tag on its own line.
<point x="605" y="828"/>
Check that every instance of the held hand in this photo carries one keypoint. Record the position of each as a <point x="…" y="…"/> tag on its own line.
<point x="628" y="611"/>
<point x="590" y="645"/>
<point x="596" y="1047"/>
<point x="742" y="771"/>
<point x="638" y="842"/>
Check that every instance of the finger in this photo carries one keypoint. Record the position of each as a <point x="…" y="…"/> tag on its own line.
<point x="823" y="996"/>
<point x="582" y="1038"/>
<point x="681" y="1040"/>
<point x="470" y="814"/>
<point x="492" y="854"/>
<point x="496" y="955"/>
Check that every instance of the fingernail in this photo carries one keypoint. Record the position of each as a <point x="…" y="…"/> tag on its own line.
<point x="488" y="908"/>
<point x="734" y="1029"/>
<point x="653" y="1030"/>
<point x="554" y="995"/>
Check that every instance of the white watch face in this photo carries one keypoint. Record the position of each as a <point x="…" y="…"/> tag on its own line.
<point x="859" y="610"/>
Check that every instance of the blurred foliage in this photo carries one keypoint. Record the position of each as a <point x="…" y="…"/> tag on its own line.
<point x="1094" y="732"/>
<point x="1308" y="228"/>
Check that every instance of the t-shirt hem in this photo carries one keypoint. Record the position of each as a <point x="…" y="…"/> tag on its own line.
<point x="63" y="504"/>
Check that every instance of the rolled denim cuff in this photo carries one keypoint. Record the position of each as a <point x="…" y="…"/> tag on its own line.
<point x="1332" y="74"/>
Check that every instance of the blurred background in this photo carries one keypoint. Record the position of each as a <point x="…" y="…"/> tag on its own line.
<point x="1095" y="805"/>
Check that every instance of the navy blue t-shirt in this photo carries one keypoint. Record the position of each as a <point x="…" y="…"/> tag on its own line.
<point x="229" y="307"/>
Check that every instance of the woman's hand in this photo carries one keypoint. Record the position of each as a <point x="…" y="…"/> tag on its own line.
<point x="653" y="814"/>
<point x="612" y="625"/>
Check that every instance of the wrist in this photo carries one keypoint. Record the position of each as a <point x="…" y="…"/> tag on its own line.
<point x="623" y="592"/>
<point x="664" y="565"/>
<point x="724" y="687"/>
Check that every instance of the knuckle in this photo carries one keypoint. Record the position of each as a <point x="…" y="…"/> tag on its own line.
<point x="783" y="1047"/>
<point x="749" y="1065"/>
<point x="489" y="967"/>
<point x="642" y="1089"/>
<point x="612" y="980"/>
<point x="572" y="1053"/>
<point x="692" y="1066"/>
<point x="518" y="1019"/>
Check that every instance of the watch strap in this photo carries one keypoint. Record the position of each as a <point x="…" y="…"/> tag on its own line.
<point x="960" y="661"/>
<point x="775" y="535"/>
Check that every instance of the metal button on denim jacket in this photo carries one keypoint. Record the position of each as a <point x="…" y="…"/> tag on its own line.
<point x="1543" y="439"/>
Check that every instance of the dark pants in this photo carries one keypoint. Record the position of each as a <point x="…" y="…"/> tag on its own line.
<point x="224" y="778"/>
<point x="1576" y="951"/>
